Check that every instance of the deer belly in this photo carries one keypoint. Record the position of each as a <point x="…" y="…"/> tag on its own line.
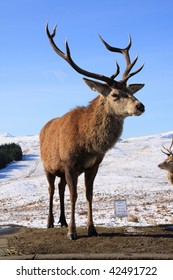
<point x="89" y="161"/>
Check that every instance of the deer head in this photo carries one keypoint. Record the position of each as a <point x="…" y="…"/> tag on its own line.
<point x="167" y="164"/>
<point x="120" y="96"/>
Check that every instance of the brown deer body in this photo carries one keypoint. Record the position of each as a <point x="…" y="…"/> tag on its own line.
<point x="167" y="164"/>
<point x="77" y="142"/>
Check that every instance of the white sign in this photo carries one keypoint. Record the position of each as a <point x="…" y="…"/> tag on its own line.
<point x="121" y="208"/>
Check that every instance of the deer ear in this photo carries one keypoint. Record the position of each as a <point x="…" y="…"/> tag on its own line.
<point x="133" y="88"/>
<point x="103" y="89"/>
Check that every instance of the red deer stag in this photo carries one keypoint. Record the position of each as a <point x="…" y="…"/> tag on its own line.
<point x="77" y="142"/>
<point x="167" y="164"/>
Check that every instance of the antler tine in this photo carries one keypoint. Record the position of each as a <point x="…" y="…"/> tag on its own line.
<point x="117" y="72"/>
<point x="68" y="58"/>
<point x="125" y="52"/>
<point x="51" y="36"/>
<point x="168" y="149"/>
<point x="168" y="154"/>
<point x="126" y="77"/>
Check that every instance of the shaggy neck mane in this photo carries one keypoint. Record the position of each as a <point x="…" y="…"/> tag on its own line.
<point x="102" y="127"/>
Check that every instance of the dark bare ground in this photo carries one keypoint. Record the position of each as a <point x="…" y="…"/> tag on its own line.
<point x="155" y="240"/>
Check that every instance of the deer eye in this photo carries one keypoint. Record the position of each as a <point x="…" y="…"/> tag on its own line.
<point x="116" y="96"/>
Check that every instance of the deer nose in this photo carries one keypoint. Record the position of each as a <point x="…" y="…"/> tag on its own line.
<point x="160" y="166"/>
<point x="140" y="107"/>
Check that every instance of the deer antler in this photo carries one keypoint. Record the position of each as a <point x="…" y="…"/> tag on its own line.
<point x="125" y="52"/>
<point x="109" y="80"/>
<point x="168" y="149"/>
<point x="67" y="57"/>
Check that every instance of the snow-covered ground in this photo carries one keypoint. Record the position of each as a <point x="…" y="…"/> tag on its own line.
<point x="129" y="171"/>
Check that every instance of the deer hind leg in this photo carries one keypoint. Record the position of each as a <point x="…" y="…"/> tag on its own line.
<point x="89" y="180"/>
<point x="51" y="180"/>
<point x="61" y="187"/>
<point x="71" y="178"/>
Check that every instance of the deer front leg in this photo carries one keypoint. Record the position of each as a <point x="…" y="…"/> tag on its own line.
<point x="51" y="180"/>
<point x="71" y="178"/>
<point x="61" y="186"/>
<point x="89" y="180"/>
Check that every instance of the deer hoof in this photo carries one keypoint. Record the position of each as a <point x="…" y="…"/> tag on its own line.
<point x="92" y="232"/>
<point x="63" y="222"/>
<point x="50" y="221"/>
<point x="50" y="225"/>
<point x="72" y="236"/>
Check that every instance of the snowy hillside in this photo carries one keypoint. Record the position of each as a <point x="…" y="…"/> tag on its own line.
<point x="129" y="171"/>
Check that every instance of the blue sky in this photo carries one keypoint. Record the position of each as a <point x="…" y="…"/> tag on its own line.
<point x="36" y="85"/>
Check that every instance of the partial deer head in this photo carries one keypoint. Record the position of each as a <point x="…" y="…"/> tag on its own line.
<point x="167" y="164"/>
<point x="118" y="93"/>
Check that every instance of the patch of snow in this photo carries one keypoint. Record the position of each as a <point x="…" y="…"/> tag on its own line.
<point x="5" y="134"/>
<point x="167" y="135"/>
<point x="129" y="171"/>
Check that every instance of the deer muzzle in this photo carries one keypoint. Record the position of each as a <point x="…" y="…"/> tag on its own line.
<point x="140" y="107"/>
